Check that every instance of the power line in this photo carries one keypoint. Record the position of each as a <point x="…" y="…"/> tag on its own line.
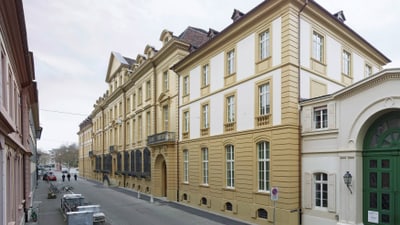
<point x="63" y="112"/>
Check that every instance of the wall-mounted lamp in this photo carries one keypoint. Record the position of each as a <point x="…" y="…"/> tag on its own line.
<point x="347" y="178"/>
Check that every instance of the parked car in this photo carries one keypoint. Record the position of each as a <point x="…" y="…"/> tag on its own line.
<point x="49" y="176"/>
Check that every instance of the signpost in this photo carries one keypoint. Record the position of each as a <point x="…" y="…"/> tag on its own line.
<point x="274" y="198"/>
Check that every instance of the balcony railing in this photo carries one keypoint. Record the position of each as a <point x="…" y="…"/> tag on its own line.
<point x="161" y="138"/>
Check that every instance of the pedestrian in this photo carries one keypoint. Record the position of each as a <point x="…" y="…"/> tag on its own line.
<point x="63" y="177"/>
<point x="69" y="177"/>
<point x="75" y="176"/>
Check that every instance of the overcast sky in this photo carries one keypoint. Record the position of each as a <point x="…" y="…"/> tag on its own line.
<point x="72" y="41"/>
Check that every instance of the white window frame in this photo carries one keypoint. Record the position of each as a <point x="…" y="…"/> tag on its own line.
<point x="230" y="60"/>
<point x="205" y="75"/>
<point x="320" y="117"/>
<point x="186" y="85"/>
<point x="318" y="47"/>
<point x="185" y="166"/>
<point x="264" y="99"/>
<point x="186" y="121"/>
<point x="230" y="109"/>
<point x="346" y="67"/>
<point x="204" y="157"/>
<point x="263" y="155"/>
<point x="205" y="116"/>
<point x="165" y="81"/>
<point x="265" y="38"/>
<point x="230" y="166"/>
<point x="320" y="189"/>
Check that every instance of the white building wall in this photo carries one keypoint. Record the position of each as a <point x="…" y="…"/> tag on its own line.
<point x="217" y="72"/>
<point x="305" y="44"/>
<point x="195" y="82"/>
<point x="245" y="57"/>
<point x="217" y="113"/>
<point x="195" y="115"/>
<point x="358" y="67"/>
<point x="245" y="106"/>
<point x="333" y="59"/>
<point x="276" y="41"/>
<point x="338" y="149"/>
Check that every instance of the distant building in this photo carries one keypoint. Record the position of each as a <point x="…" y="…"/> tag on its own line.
<point x="130" y="137"/>
<point x="19" y="116"/>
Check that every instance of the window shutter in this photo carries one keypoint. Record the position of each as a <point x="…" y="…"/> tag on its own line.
<point x="331" y="116"/>
<point x="307" y="121"/>
<point x="307" y="191"/>
<point x="332" y="192"/>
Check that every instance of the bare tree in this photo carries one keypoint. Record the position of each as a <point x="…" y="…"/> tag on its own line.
<point x="66" y="155"/>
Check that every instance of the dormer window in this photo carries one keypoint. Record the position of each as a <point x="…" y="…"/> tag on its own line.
<point x="166" y="36"/>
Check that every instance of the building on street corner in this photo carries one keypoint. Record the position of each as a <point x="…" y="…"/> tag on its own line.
<point x="19" y="117"/>
<point x="216" y="120"/>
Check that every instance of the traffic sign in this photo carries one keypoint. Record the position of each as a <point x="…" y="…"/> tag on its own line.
<point x="274" y="194"/>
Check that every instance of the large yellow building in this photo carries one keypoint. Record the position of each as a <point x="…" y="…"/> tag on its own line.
<point x="221" y="130"/>
<point x="129" y="138"/>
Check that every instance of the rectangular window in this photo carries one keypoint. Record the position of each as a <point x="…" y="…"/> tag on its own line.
<point x="205" y="75"/>
<point x="230" y="166"/>
<point x="263" y="166"/>
<point x="186" y="85"/>
<point x="186" y="122"/>
<point x="148" y="89"/>
<point x="148" y="123"/>
<point x="140" y="96"/>
<point x="134" y="101"/>
<point x="318" y="47"/>
<point x="230" y="109"/>
<point x="264" y="99"/>
<point x="166" y="118"/>
<point x="321" y="117"/>
<point x="165" y="81"/>
<point x="368" y="70"/>
<point x="204" y="156"/>
<point x="321" y="190"/>
<point x="230" y="57"/>
<point x="264" y="45"/>
<point x="140" y="130"/>
<point x="186" y="166"/>
<point x="128" y="106"/>
<point x="205" y="116"/>
<point x="3" y="77"/>
<point x="346" y="64"/>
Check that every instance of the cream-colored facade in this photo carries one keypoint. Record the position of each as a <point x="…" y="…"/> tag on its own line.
<point x="223" y="126"/>
<point x="134" y="124"/>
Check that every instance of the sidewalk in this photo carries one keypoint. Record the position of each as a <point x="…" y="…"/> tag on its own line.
<point x="48" y="210"/>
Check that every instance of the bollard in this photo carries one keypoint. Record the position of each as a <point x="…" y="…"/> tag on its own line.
<point x="138" y="194"/>
<point x="151" y="199"/>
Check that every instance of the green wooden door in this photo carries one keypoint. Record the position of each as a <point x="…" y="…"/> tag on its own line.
<point x="381" y="164"/>
<point x="380" y="185"/>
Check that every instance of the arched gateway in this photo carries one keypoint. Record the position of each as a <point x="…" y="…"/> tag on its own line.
<point x="160" y="180"/>
<point x="381" y="166"/>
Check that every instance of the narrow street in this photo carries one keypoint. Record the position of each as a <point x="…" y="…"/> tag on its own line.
<point x="123" y="207"/>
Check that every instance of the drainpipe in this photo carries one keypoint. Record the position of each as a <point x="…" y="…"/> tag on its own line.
<point x="177" y="141"/>
<point x="298" y="99"/>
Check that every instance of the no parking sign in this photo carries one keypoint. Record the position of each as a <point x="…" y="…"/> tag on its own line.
<point x="274" y="194"/>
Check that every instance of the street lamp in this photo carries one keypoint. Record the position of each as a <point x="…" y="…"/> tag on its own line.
<point x="347" y="178"/>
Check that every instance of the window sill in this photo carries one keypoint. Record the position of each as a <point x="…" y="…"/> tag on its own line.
<point x="229" y="189"/>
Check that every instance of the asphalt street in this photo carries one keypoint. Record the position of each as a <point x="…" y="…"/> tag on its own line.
<point x="123" y="207"/>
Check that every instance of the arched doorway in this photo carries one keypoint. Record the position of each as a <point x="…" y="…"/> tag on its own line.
<point x="381" y="171"/>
